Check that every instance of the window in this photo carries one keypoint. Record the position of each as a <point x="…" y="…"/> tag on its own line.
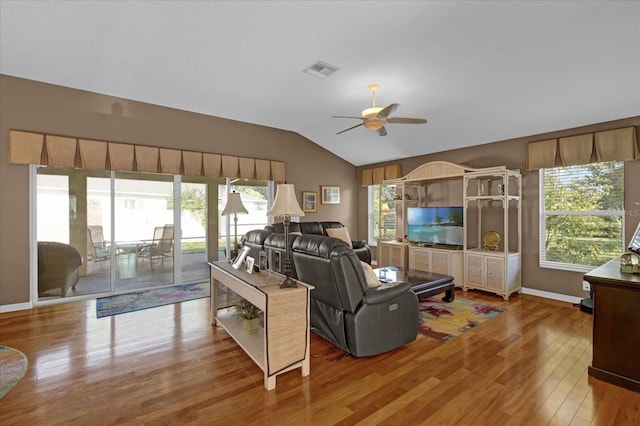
<point x="581" y="215"/>
<point x="381" y="213"/>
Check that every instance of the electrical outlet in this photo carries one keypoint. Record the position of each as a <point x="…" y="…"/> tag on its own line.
<point x="586" y="286"/>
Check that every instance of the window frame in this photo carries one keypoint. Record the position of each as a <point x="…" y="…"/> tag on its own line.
<point x="543" y="214"/>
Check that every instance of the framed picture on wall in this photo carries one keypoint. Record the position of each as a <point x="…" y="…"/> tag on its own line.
<point x="309" y="202"/>
<point x="330" y="194"/>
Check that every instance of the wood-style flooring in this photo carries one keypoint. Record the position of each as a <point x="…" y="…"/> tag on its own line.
<point x="169" y="366"/>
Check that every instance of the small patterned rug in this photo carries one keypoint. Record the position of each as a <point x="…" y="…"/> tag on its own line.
<point x="122" y="303"/>
<point x="13" y="365"/>
<point x="445" y="321"/>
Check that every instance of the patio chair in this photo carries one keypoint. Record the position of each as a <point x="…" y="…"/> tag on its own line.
<point x="161" y="246"/>
<point x="58" y="265"/>
<point x="97" y="248"/>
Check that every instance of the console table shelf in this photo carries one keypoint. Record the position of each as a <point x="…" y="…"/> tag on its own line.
<point x="282" y="344"/>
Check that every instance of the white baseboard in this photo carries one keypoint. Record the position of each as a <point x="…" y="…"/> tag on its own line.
<point x="554" y="296"/>
<point x="16" y="307"/>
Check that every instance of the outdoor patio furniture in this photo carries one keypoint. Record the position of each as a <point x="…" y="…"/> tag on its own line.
<point x="58" y="265"/>
<point x="161" y="246"/>
<point x="97" y="248"/>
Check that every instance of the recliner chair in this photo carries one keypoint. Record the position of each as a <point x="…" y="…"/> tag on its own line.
<point x="344" y="310"/>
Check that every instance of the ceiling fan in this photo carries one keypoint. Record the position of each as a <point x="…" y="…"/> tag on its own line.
<point x="374" y="118"/>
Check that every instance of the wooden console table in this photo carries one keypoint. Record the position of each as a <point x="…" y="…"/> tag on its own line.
<point x="616" y="325"/>
<point x="283" y="343"/>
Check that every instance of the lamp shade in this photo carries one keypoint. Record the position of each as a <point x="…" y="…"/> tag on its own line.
<point x="285" y="203"/>
<point x="234" y="204"/>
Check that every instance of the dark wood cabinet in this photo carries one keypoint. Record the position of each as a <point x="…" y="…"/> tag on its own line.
<point x="616" y="325"/>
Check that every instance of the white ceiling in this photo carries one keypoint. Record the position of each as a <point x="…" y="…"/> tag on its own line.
<point x="478" y="71"/>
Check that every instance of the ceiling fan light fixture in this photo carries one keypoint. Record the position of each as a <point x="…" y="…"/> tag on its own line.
<point x="371" y="111"/>
<point x="374" y="124"/>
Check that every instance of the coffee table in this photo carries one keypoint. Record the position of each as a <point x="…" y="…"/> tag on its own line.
<point x="423" y="283"/>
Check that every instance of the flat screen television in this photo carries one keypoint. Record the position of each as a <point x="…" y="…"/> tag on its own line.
<point x="435" y="226"/>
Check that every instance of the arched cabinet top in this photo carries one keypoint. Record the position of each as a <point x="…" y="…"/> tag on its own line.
<point x="441" y="170"/>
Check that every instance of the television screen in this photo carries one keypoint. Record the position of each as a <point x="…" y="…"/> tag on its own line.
<point x="435" y="225"/>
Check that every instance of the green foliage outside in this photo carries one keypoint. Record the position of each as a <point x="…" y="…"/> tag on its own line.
<point x="388" y="193"/>
<point x="580" y="239"/>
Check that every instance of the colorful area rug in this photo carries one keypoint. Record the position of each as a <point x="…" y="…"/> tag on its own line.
<point x="122" y="303"/>
<point x="445" y="321"/>
<point x="13" y="365"/>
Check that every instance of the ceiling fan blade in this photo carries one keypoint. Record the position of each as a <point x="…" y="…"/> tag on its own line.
<point x="350" y="128"/>
<point x="382" y="131"/>
<point x="347" y="116"/>
<point x="405" y="120"/>
<point x="388" y="110"/>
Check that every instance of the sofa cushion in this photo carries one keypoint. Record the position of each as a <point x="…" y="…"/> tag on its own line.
<point x="341" y="234"/>
<point x="278" y="228"/>
<point x="317" y="245"/>
<point x="370" y="275"/>
<point x="312" y="228"/>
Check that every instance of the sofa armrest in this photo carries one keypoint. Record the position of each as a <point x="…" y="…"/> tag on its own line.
<point x="359" y="244"/>
<point x="386" y="292"/>
<point x="361" y="248"/>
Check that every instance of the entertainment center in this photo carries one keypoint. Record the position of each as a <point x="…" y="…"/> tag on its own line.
<point x="481" y="250"/>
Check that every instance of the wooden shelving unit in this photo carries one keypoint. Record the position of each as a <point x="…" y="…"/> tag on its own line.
<point x="492" y="211"/>
<point x="491" y="200"/>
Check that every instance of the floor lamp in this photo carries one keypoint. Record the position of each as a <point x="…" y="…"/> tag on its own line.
<point x="234" y="206"/>
<point x="285" y="205"/>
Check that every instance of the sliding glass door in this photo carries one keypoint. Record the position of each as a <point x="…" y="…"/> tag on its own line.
<point x="144" y="233"/>
<point x="124" y="228"/>
<point x="193" y="223"/>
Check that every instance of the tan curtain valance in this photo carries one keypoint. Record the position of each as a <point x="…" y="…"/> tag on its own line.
<point x="377" y="175"/>
<point x="617" y="145"/>
<point x="576" y="150"/>
<point x="609" y="145"/>
<point x="66" y="151"/>
<point x="542" y="154"/>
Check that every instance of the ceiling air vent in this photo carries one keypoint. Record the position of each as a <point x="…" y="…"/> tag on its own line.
<point x="320" y="69"/>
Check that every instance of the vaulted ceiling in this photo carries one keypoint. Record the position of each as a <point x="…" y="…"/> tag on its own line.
<point x="477" y="71"/>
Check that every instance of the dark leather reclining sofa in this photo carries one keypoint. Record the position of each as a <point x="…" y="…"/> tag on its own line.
<point x="360" y="247"/>
<point x="271" y="238"/>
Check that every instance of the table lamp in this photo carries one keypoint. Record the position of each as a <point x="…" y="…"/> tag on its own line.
<point x="234" y="206"/>
<point x="285" y="205"/>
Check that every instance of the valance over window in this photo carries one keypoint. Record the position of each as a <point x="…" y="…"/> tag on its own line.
<point x="609" y="145"/>
<point x="64" y="151"/>
<point x="376" y="175"/>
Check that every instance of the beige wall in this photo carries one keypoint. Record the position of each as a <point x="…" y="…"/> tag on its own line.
<point x="40" y="107"/>
<point x="512" y="153"/>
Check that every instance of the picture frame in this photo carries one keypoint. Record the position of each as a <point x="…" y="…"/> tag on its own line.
<point x="241" y="256"/>
<point x="274" y="261"/>
<point x="309" y="201"/>
<point x="262" y="260"/>
<point x="248" y="264"/>
<point x="330" y="194"/>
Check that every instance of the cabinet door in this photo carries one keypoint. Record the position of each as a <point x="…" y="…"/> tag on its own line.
<point x="396" y="256"/>
<point x="440" y="262"/>
<point x="383" y="255"/>
<point x="421" y="260"/>
<point x="495" y="273"/>
<point x="474" y="270"/>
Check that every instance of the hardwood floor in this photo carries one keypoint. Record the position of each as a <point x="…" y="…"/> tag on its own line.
<point x="168" y="365"/>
